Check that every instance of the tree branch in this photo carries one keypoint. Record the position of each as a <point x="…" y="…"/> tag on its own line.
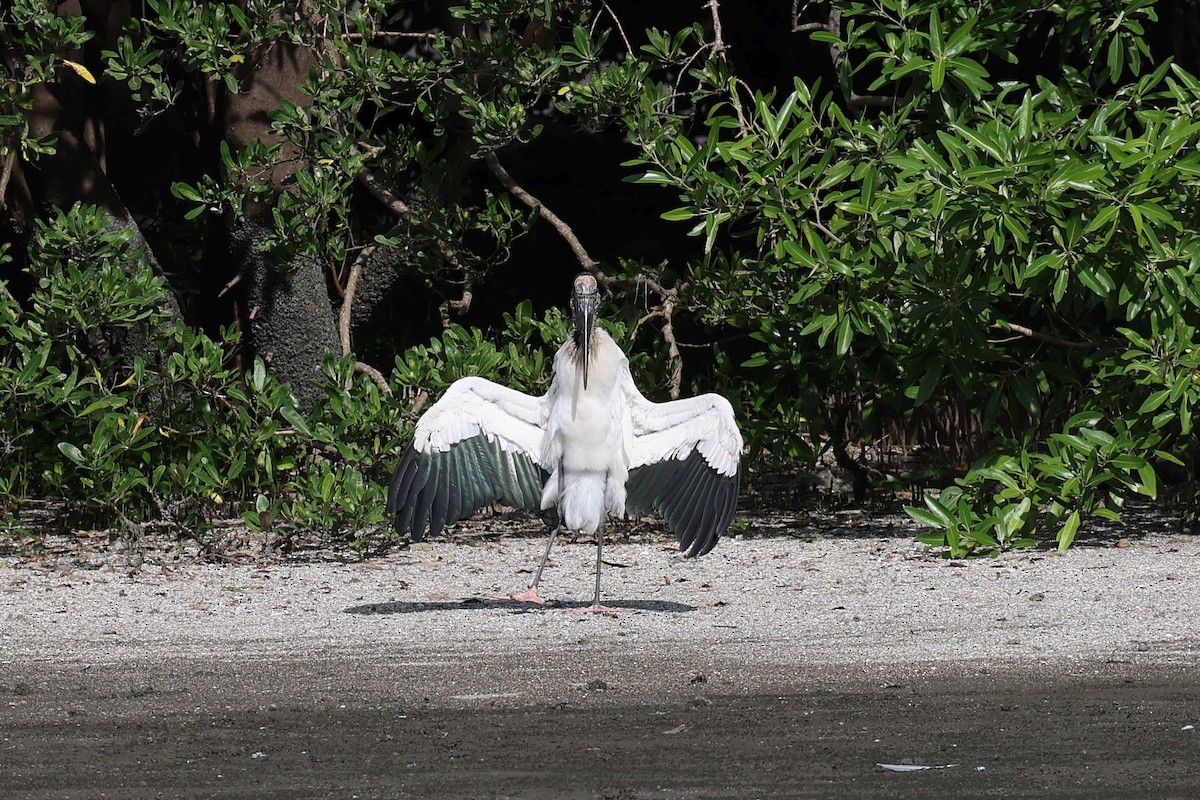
<point x="564" y="230"/>
<point x="375" y="375"/>
<point x="397" y="206"/>
<point x="718" y="45"/>
<point x="617" y="22"/>
<point x="344" y="322"/>
<point x="401" y="209"/>
<point x="719" y="48"/>
<point x="834" y="26"/>
<point x="9" y="296"/>
<point x="232" y="283"/>
<point x="6" y="174"/>
<point x="1042" y="337"/>
<point x="670" y="297"/>
<point x="375" y="35"/>
<point x="463" y="304"/>
<point x="348" y="298"/>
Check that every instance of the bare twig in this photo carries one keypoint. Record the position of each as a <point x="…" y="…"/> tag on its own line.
<point x="374" y="35"/>
<point x="348" y="298"/>
<point x="9" y="161"/>
<point x="718" y="45"/>
<point x="683" y="71"/>
<point x="463" y="304"/>
<point x="419" y="402"/>
<point x="719" y="48"/>
<point x="397" y="206"/>
<point x="401" y="209"/>
<point x="668" y="334"/>
<point x="225" y="289"/>
<point x="1043" y="337"/>
<point x="9" y="295"/>
<point x="564" y="230"/>
<point x="639" y="283"/>
<point x="375" y="375"/>
<point x="802" y="27"/>
<point x="617" y="22"/>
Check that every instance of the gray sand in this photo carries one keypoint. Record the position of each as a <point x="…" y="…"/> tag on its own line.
<point x="755" y="614"/>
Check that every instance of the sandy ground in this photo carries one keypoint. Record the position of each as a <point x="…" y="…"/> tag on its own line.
<point x="774" y="666"/>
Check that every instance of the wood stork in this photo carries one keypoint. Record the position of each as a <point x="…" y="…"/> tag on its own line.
<point x="590" y="447"/>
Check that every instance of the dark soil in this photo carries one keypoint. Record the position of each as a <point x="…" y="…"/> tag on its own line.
<point x="197" y="729"/>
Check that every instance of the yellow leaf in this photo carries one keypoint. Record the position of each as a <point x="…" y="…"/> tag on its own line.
<point x="80" y="70"/>
<point x="564" y="89"/>
<point x="237" y="58"/>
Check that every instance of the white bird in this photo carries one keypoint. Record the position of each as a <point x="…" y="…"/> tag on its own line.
<point x="590" y="447"/>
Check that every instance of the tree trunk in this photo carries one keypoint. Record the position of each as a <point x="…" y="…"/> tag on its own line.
<point x="288" y="317"/>
<point x="73" y="174"/>
<point x="289" y="320"/>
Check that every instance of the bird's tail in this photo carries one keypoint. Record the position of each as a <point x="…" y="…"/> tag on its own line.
<point x="581" y="498"/>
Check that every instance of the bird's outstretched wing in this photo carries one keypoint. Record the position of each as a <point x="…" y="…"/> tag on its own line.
<point x="685" y="463"/>
<point x="481" y="443"/>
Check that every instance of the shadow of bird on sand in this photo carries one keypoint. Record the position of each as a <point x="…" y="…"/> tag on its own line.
<point x="480" y="603"/>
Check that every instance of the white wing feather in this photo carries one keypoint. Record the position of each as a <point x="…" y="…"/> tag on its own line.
<point x="474" y="406"/>
<point x="663" y="431"/>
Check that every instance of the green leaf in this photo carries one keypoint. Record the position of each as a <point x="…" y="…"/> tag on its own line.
<point x="937" y="75"/>
<point x="296" y="420"/>
<point x="72" y="452"/>
<point x="785" y="111"/>
<point x="924" y="517"/>
<point x="1116" y="58"/>
<point x="936" y="41"/>
<point x="258" y="376"/>
<point x="110" y="402"/>
<point x="1066" y="534"/>
<point x="939" y="511"/>
<point x="929" y="382"/>
<point x="1149" y="481"/>
<point x="756" y="360"/>
<point x="185" y="192"/>
<point x="845" y="335"/>
<point x="1155" y="400"/>
<point x="981" y="140"/>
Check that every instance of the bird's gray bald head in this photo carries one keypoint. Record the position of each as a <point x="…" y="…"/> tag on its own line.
<point x="585" y="285"/>
<point x="585" y="300"/>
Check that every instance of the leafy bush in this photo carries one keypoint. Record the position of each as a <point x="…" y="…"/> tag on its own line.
<point x="1025" y="248"/>
<point x="986" y="210"/>
<point x="196" y="439"/>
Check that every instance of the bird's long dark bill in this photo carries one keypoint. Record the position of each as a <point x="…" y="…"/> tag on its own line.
<point x="585" y="321"/>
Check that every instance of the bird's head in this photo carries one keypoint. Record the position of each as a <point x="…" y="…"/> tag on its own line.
<point x="585" y="299"/>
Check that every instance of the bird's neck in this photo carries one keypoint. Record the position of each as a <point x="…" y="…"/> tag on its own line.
<point x="602" y="364"/>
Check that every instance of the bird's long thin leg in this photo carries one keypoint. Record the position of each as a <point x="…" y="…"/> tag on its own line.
<point x="599" y="563"/>
<point x="595" y="607"/>
<point x="531" y="595"/>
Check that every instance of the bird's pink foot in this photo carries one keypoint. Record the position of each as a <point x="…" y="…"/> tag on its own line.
<point x="596" y="608"/>
<point x="530" y="595"/>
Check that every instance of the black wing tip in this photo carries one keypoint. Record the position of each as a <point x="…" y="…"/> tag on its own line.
<point x="431" y="491"/>
<point x="697" y="502"/>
